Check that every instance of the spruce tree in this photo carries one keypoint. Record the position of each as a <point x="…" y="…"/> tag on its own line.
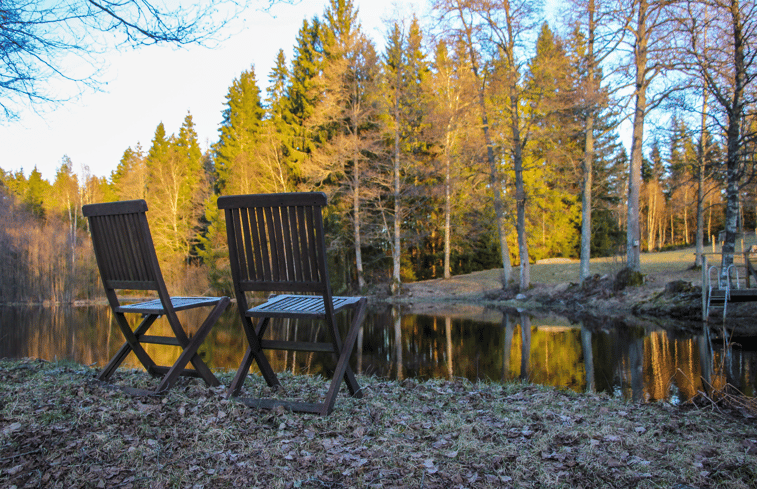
<point x="280" y="122"/>
<point x="407" y="107"/>
<point x="302" y="95"/>
<point x="129" y="179"/>
<point x="237" y="147"/>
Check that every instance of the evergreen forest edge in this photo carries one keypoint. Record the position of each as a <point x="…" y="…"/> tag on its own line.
<point x="395" y="139"/>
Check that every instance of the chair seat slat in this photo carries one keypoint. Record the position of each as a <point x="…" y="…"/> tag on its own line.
<point x="299" y="305"/>
<point x="155" y="306"/>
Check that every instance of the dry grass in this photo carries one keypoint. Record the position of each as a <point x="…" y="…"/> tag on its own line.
<point x="59" y="428"/>
<point x="658" y="268"/>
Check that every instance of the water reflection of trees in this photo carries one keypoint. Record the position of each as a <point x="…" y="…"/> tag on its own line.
<point x="613" y="358"/>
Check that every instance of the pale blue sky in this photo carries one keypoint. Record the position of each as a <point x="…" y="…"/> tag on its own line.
<point x="160" y="84"/>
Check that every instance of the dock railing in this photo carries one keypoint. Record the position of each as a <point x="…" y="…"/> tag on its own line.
<point x="724" y="283"/>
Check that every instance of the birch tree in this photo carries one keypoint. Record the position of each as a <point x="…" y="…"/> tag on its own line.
<point x="647" y="23"/>
<point x="347" y="114"/>
<point x="454" y="113"/>
<point x="722" y="46"/>
<point x="492" y="32"/>
<point x="407" y="106"/>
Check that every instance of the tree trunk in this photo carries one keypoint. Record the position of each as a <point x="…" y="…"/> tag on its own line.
<point x="588" y="160"/>
<point x="733" y="135"/>
<point x="499" y="208"/>
<point x="651" y="220"/>
<point x="686" y="215"/>
<point x="520" y="194"/>
<point x="633" y="235"/>
<point x="447" y="207"/>
<point x="356" y="213"/>
<point x="701" y="150"/>
<point x="396" y="250"/>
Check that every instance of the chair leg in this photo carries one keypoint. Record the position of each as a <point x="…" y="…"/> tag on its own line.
<point x="254" y="352"/>
<point x="190" y="352"/>
<point x="343" y="369"/>
<point x="244" y="368"/>
<point x="131" y="344"/>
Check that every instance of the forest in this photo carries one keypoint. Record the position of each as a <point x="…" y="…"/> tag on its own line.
<point x="477" y="137"/>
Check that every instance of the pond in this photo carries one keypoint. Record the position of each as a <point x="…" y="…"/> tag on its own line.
<point x="638" y="363"/>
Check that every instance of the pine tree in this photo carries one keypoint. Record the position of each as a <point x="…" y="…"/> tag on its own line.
<point x="457" y="151"/>
<point x="159" y="146"/>
<point x="238" y="145"/>
<point x="35" y="193"/>
<point x="302" y="95"/>
<point x="129" y="179"/>
<point x="551" y="160"/>
<point x="280" y="130"/>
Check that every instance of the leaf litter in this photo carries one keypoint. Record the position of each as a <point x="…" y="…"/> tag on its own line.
<point x="59" y="427"/>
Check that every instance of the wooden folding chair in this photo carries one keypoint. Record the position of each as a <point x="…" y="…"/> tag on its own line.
<point x="276" y="244"/>
<point x="127" y="261"/>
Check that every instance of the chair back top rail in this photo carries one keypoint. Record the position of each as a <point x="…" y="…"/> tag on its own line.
<point x="276" y="241"/>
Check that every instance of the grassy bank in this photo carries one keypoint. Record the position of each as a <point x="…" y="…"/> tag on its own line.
<point x="60" y="428"/>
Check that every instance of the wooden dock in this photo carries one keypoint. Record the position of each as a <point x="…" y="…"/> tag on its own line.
<point x="729" y="289"/>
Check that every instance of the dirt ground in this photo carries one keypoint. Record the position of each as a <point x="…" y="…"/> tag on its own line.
<point x="658" y="269"/>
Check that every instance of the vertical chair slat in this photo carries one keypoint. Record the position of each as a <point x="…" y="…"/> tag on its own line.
<point x="274" y="243"/>
<point x="311" y="234"/>
<point x="260" y="242"/>
<point x="287" y="248"/>
<point x="295" y="265"/>
<point x="303" y="244"/>
<point x="281" y="248"/>
<point x="245" y="251"/>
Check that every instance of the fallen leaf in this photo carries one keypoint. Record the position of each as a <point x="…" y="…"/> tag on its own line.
<point x="12" y="428"/>
<point x="611" y="462"/>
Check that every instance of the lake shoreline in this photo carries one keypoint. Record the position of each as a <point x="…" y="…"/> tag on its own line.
<point x="670" y="299"/>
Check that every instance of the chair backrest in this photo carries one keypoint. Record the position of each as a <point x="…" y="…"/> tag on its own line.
<point x="123" y="246"/>
<point x="276" y="242"/>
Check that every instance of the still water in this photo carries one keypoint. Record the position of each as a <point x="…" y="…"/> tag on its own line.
<point x="472" y="342"/>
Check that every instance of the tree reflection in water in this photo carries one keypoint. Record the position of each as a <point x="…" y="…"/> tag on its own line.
<point x="464" y="342"/>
